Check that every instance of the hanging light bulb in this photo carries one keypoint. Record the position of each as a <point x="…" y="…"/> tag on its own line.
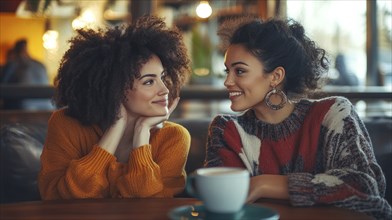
<point x="85" y="19"/>
<point x="204" y="10"/>
<point x="50" y="37"/>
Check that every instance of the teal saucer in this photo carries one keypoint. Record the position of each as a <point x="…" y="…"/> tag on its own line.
<point x="248" y="212"/>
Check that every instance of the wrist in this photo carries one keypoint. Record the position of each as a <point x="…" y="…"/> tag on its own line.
<point x="111" y="137"/>
<point x="274" y="186"/>
<point x="141" y="137"/>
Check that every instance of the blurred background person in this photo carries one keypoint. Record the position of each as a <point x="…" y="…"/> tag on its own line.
<point x="346" y="77"/>
<point x="22" y="69"/>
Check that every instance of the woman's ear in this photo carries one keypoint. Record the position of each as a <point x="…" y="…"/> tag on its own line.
<point x="278" y="76"/>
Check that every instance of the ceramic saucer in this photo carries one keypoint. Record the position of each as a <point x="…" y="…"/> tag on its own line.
<point x="248" y="212"/>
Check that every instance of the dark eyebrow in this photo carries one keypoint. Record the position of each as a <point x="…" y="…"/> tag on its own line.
<point x="148" y="75"/>
<point x="239" y="62"/>
<point x="151" y="75"/>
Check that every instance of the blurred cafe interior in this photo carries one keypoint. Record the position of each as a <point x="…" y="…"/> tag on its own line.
<point x="356" y="34"/>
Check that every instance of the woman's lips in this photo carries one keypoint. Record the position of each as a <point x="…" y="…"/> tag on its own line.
<point x="162" y="102"/>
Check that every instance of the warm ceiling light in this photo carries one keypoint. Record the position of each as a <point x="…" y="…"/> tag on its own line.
<point x="85" y="19"/>
<point x="50" y="39"/>
<point x="204" y="9"/>
<point x="201" y="71"/>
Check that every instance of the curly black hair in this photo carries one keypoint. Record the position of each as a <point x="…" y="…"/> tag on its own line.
<point x="280" y="42"/>
<point x="102" y="64"/>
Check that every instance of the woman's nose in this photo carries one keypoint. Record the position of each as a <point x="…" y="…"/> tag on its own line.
<point x="228" y="81"/>
<point x="163" y="89"/>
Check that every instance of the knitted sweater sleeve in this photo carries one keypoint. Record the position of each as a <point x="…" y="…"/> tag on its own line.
<point x="70" y="166"/>
<point x="159" y="172"/>
<point x="214" y="142"/>
<point x="222" y="133"/>
<point x="351" y="178"/>
<point x="73" y="166"/>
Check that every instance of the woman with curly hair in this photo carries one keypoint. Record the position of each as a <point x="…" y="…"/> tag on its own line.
<point x="115" y="89"/>
<point x="307" y="151"/>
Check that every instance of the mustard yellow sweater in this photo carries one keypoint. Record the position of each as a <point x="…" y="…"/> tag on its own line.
<point x="73" y="166"/>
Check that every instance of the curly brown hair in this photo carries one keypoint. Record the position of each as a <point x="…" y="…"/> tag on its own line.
<point x="102" y="64"/>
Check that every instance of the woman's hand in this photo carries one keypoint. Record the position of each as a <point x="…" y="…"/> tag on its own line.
<point x="112" y="136"/>
<point x="144" y="124"/>
<point x="151" y="122"/>
<point x="123" y="115"/>
<point x="268" y="186"/>
<point x="254" y="189"/>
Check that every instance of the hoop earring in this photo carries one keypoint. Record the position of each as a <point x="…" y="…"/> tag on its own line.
<point x="279" y="93"/>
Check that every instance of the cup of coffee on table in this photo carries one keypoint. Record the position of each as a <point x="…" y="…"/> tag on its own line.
<point x="222" y="189"/>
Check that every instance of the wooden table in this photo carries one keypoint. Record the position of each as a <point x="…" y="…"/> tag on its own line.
<point x="154" y="209"/>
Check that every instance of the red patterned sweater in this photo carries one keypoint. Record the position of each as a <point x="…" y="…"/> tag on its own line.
<point x="323" y="147"/>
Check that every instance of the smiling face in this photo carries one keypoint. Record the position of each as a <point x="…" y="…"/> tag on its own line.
<point x="246" y="80"/>
<point x="149" y="94"/>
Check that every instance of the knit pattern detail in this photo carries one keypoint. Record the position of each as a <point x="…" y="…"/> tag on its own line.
<point x="74" y="166"/>
<point x="249" y="154"/>
<point x="323" y="147"/>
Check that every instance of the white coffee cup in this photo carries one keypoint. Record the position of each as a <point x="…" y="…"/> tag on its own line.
<point x="222" y="189"/>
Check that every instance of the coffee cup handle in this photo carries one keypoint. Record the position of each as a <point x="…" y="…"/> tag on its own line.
<point x="189" y="186"/>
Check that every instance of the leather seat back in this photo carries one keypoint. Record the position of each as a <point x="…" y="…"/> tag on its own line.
<point x="21" y="148"/>
<point x="380" y="131"/>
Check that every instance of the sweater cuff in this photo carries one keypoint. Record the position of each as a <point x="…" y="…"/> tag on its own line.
<point x="97" y="160"/>
<point x="141" y="156"/>
<point x="301" y="189"/>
